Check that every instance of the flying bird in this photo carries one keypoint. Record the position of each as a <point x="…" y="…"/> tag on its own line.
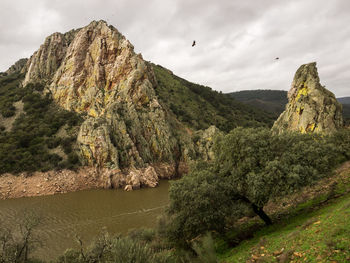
<point x="194" y="43"/>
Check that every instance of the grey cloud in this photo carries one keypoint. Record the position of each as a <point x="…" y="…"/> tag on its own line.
<point x="237" y="41"/>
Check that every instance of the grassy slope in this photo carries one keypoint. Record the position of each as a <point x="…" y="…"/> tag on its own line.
<point x="311" y="235"/>
<point x="198" y="106"/>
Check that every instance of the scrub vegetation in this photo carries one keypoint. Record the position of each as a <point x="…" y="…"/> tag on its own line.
<point x="199" y="106"/>
<point x="27" y="145"/>
<point x="265" y="198"/>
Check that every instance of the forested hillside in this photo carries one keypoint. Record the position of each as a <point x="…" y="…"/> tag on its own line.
<point x="270" y="100"/>
<point x="35" y="134"/>
<point x="199" y="106"/>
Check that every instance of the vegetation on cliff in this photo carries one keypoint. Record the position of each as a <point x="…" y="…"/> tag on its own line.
<point x="29" y="141"/>
<point x="199" y="107"/>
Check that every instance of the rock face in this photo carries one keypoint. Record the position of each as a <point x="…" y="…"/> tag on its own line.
<point x="311" y="107"/>
<point x="43" y="63"/>
<point x="204" y="140"/>
<point x="95" y="72"/>
<point x="18" y="66"/>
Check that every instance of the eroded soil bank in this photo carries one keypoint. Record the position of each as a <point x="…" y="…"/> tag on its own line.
<point x="64" y="181"/>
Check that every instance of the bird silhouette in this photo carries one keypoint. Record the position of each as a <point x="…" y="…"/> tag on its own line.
<point x="194" y="43"/>
<point x="277" y="58"/>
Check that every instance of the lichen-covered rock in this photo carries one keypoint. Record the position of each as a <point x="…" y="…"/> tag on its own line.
<point x="17" y="67"/>
<point x="204" y="141"/>
<point x="95" y="143"/>
<point x="96" y="73"/>
<point x="311" y="107"/>
<point x="43" y="63"/>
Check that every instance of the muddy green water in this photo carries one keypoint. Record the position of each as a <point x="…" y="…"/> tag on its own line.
<point x="86" y="213"/>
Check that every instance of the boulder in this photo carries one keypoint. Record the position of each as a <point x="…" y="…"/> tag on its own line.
<point x="311" y="107"/>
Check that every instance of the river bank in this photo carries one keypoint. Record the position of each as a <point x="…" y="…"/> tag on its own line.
<point x="64" y="181"/>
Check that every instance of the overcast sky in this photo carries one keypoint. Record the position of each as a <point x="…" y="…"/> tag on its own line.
<point x="237" y="40"/>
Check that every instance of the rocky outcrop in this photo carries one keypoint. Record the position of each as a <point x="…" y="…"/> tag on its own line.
<point x="204" y="141"/>
<point x="63" y="181"/>
<point x="311" y="107"/>
<point x="17" y="67"/>
<point x="95" y="72"/>
<point x="43" y="63"/>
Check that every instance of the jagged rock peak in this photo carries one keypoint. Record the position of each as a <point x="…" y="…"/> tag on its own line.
<point x="95" y="72"/>
<point x="17" y="67"/>
<point x="45" y="61"/>
<point x="311" y="107"/>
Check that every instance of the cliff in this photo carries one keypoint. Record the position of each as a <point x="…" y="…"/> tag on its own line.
<point x="311" y="107"/>
<point x="87" y="92"/>
<point x="95" y="72"/>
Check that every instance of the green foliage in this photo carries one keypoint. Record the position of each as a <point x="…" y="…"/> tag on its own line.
<point x="9" y="94"/>
<point x="200" y="107"/>
<point x="26" y="146"/>
<point x="278" y="96"/>
<point x="251" y="167"/>
<point x="317" y="236"/>
<point x="118" y="250"/>
<point x="205" y="249"/>
<point x="200" y="202"/>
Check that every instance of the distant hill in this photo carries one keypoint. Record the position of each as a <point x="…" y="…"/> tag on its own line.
<point x="346" y="108"/>
<point x="273" y="101"/>
<point x="344" y="100"/>
<point x="199" y="106"/>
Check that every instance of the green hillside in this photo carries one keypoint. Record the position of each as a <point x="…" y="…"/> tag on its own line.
<point x="198" y="106"/>
<point x="269" y="100"/>
<point x="319" y="236"/>
<point x="34" y="133"/>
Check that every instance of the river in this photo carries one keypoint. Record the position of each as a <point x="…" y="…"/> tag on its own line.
<point x="85" y="213"/>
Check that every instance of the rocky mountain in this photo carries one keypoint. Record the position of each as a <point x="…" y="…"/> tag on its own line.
<point x="95" y="72"/>
<point x="86" y="97"/>
<point x="311" y="107"/>
<point x="17" y="67"/>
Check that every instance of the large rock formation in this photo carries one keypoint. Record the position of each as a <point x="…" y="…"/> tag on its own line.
<point x="43" y="63"/>
<point x="17" y="67"/>
<point x="311" y="107"/>
<point x="95" y="72"/>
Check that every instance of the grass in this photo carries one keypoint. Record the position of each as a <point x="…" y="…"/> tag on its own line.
<point x="309" y="234"/>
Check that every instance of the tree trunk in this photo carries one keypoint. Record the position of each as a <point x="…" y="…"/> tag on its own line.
<point x="260" y="212"/>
